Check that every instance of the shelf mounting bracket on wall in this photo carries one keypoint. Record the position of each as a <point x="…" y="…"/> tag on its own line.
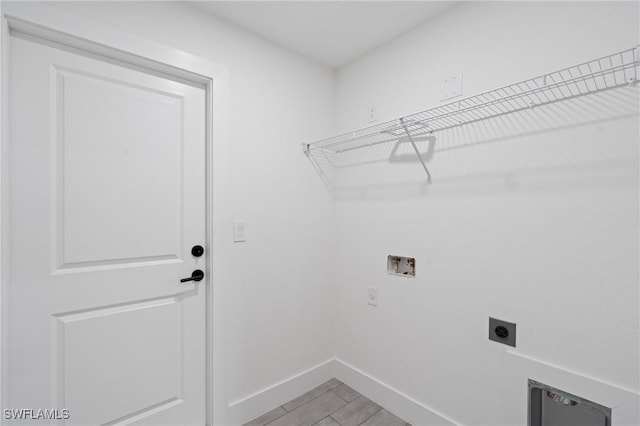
<point x="415" y="148"/>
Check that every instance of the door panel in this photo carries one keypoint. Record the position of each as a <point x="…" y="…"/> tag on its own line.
<point x="107" y="197"/>
<point x="108" y="129"/>
<point x="133" y="338"/>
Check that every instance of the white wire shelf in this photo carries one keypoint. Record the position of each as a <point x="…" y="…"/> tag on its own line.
<point x="608" y="72"/>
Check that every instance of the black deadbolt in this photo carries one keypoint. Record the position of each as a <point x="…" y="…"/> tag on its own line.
<point x="502" y="332"/>
<point x="196" y="275"/>
<point x="197" y="251"/>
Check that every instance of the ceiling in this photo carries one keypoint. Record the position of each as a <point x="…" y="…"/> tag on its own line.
<point x="332" y="33"/>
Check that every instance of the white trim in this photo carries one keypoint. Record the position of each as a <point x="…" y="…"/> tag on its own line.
<point x="248" y="408"/>
<point x="53" y="24"/>
<point x="269" y="398"/>
<point x="400" y="404"/>
<point x="625" y="403"/>
<point x="4" y="240"/>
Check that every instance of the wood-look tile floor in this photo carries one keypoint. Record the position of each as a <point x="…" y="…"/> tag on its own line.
<point x="331" y="404"/>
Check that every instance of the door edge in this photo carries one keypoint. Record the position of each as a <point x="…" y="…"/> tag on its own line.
<point x="52" y="24"/>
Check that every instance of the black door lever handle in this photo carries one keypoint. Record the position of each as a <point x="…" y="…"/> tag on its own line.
<point x="196" y="275"/>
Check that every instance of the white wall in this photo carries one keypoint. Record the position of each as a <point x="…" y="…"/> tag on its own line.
<point x="273" y="307"/>
<point x="531" y="218"/>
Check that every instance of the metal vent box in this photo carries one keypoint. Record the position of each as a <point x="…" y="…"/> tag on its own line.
<point x="552" y="407"/>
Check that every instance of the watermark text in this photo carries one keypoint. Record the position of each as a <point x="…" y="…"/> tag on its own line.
<point x="35" y="414"/>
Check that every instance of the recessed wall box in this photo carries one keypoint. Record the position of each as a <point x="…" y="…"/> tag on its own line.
<point x="400" y="265"/>
<point x="552" y="407"/>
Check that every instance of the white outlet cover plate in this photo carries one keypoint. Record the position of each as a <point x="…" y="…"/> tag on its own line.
<point x="372" y="118"/>
<point x="239" y="231"/>
<point x="451" y="87"/>
<point x="372" y="296"/>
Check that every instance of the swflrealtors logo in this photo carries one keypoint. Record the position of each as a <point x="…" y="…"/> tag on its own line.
<point x="35" y="414"/>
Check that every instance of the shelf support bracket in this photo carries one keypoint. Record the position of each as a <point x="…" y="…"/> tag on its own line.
<point x="424" y="166"/>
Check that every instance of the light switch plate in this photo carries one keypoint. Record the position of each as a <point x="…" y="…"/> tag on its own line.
<point x="239" y="231"/>
<point x="451" y="87"/>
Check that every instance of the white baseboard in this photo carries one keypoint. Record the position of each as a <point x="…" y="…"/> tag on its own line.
<point x="624" y="401"/>
<point x="414" y="412"/>
<point x="252" y="406"/>
<point x="391" y="399"/>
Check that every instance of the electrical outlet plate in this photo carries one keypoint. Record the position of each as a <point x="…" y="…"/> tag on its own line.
<point x="451" y="87"/>
<point x="502" y="332"/>
<point x="372" y="296"/>
<point x="239" y="231"/>
<point x="372" y="117"/>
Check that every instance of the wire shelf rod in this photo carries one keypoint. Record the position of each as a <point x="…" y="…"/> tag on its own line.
<point x="600" y="74"/>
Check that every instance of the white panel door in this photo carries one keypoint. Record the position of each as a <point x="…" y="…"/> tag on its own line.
<point x="107" y="199"/>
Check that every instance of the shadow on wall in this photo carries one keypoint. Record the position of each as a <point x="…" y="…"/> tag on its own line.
<point x="580" y="143"/>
